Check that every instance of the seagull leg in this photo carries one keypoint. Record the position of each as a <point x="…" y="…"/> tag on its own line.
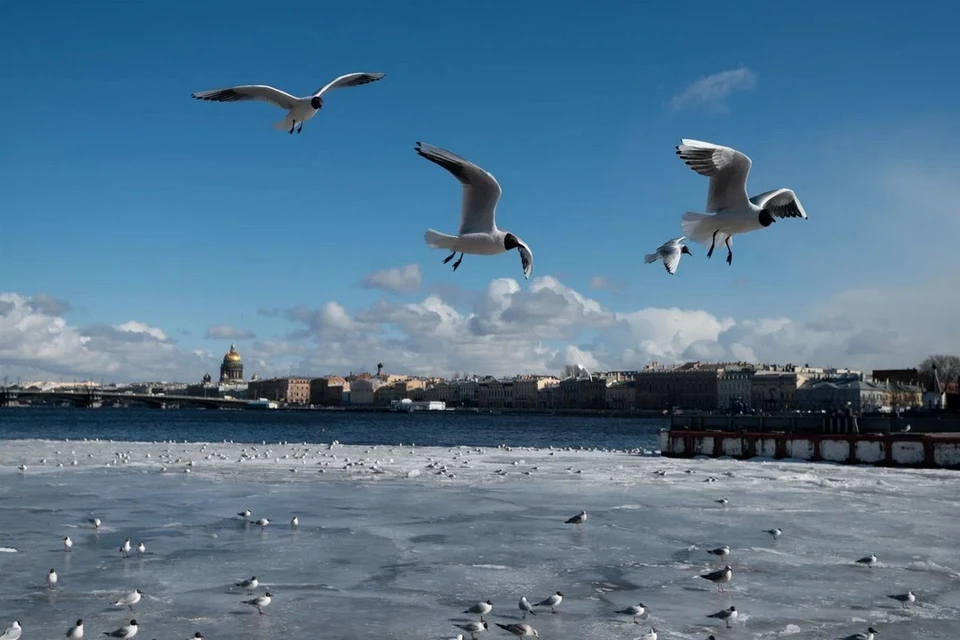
<point x="260" y="610"/>
<point x="449" y="257"/>
<point x="457" y="263"/>
<point x="293" y="125"/>
<point x="300" y="128"/>
<point x="729" y="252"/>
<point x="713" y="244"/>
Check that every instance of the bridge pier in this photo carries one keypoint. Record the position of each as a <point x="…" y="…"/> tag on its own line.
<point x="8" y="398"/>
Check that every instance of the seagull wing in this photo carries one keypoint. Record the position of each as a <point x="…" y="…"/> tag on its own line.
<point x="349" y="80"/>
<point x="782" y="203"/>
<point x="481" y="192"/>
<point x="526" y="258"/>
<point x="246" y="92"/>
<point x="727" y="169"/>
<point x="671" y="258"/>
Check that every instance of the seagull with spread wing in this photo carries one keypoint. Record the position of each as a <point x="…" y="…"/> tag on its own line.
<point x="478" y="234"/>
<point x="670" y="252"/>
<point x="733" y="211"/>
<point x="299" y="110"/>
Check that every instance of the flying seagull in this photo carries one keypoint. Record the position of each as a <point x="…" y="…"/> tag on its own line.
<point x="478" y="233"/>
<point x="734" y="212"/>
<point x="299" y="110"/>
<point x="670" y="252"/>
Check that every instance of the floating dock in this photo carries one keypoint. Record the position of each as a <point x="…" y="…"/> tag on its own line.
<point x="938" y="451"/>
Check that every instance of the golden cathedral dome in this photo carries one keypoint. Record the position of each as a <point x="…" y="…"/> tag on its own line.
<point x="232" y="355"/>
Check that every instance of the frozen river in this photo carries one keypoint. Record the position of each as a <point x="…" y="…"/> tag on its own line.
<point x="396" y="541"/>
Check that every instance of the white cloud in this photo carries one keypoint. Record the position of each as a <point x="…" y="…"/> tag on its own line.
<point x="712" y="90"/>
<point x="396" y="279"/>
<point x="506" y="328"/>
<point x="228" y="332"/>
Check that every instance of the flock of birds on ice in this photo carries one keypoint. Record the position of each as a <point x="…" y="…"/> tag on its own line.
<point x="719" y="577"/>
<point x="730" y="210"/>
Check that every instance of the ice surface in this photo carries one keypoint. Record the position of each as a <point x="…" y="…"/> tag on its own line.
<point x="388" y="552"/>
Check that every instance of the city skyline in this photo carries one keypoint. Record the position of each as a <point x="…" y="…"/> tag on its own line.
<point x="145" y="231"/>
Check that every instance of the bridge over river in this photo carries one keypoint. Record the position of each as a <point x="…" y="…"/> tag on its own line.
<point x="94" y="398"/>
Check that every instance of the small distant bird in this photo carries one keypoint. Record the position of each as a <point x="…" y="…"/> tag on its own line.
<point x="776" y="532"/>
<point x="649" y="635"/>
<point x="141" y="548"/>
<point x="553" y="602"/>
<point x="245" y="514"/>
<point x="578" y="519"/>
<point x="125" y="548"/>
<point x="719" y="577"/>
<point x="636" y="611"/>
<point x="670" y="252"/>
<point x="734" y="212"/>
<point x="478" y="233"/>
<point x="67" y="544"/>
<point x="299" y="110"/>
<point x="76" y="631"/>
<point x="473" y="628"/>
<point x="723" y="551"/>
<point x="868" y="561"/>
<point x="52" y="579"/>
<point x="198" y="636"/>
<point x="526" y="607"/>
<point x="95" y="522"/>
<point x="722" y="502"/>
<point x="13" y="631"/>
<point x="262" y="523"/>
<point x="861" y="636"/>
<point x="249" y="585"/>
<point x="295" y="522"/>
<point x="481" y="607"/>
<point x="905" y="598"/>
<point x="260" y="602"/>
<point x="126" y="632"/>
<point x="130" y="599"/>
<point x="519" y="629"/>
<point x="727" y="615"/>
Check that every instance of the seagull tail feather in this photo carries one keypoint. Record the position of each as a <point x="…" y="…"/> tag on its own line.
<point x="439" y="240"/>
<point x="650" y="257"/>
<point x="283" y="125"/>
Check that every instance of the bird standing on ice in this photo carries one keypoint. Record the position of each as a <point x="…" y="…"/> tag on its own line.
<point x="52" y="579"/>
<point x="13" y="632"/>
<point x="578" y="519"/>
<point x="67" y="543"/>
<point x="478" y="233"/>
<point x="299" y="110"/>
<point x="553" y="602"/>
<point x="76" y="631"/>
<point x="734" y="212"/>
<point x="670" y="252"/>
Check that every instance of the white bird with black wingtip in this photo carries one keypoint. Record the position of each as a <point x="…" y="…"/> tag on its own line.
<point x="481" y="608"/>
<point x="635" y="611"/>
<point x="67" y="543"/>
<point x="728" y="615"/>
<point x="868" y="561"/>
<point x="553" y="602"/>
<point x="719" y="577"/>
<point x="473" y="628"/>
<point x="578" y="519"/>
<point x="520" y="629"/>
<point x="905" y="599"/>
<point x="125" y="632"/>
<point x="478" y="234"/>
<point x="670" y="252"/>
<point x="526" y="607"/>
<point x="299" y="110"/>
<point x="130" y="599"/>
<point x="260" y="602"/>
<point x="861" y="636"/>
<point x="734" y="212"/>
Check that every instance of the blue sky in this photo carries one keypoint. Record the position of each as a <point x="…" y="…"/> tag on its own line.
<point x="132" y="202"/>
